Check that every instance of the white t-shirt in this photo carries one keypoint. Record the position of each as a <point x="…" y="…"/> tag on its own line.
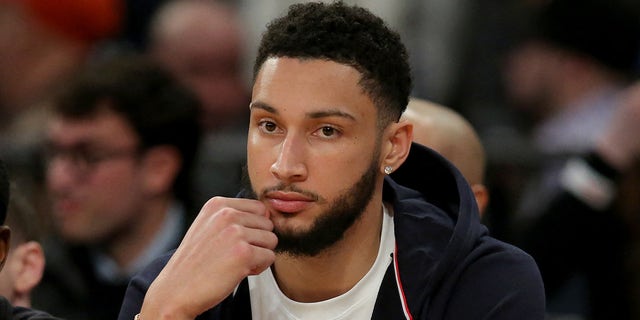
<point x="269" y="303"/>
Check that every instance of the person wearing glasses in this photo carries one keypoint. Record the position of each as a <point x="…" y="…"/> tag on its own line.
<point x="119" y="150"/>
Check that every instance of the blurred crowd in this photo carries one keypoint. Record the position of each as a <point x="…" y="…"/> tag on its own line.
<point x="108" y="186"/>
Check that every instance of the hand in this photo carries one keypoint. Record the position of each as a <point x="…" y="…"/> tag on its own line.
<point x="229" y="240"/>
<point x="620" y="143"/>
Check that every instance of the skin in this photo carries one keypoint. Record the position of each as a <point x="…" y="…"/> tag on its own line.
<point x="295" y="103"/>
<point x="447" y="132"/>
<point x="5" y="237"/>
<point x="22" y="272"/>
<point x="121" y="202"/>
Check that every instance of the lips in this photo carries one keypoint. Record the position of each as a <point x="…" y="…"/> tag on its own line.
<point x="288" y="202"/>
<point x="65" y="207"/>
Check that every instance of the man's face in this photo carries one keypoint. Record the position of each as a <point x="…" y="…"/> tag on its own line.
<point x="209" y="61"/>
<point x="313" y="150"/>
<point x="93" y="176"/>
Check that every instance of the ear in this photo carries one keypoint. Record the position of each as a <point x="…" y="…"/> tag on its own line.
<point x="161" y="166"/>
<point x="30" y="259"/>
<point x="396" y="145"/>
<point x="481" y="193"/>
<point x="5" y="239"/>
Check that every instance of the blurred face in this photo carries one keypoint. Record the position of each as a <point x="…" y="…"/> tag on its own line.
<point x="529" y="76"/>
<point x="313" y="151"/>
<point x="93" y="176"/>
<point x="205" y="53"/>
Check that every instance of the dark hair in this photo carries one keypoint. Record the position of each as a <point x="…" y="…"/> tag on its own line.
<point x="159" y="109"/>
<point x="606" y="30"/>
<point x="348" y="35"/>
<point x="4" y="192"/>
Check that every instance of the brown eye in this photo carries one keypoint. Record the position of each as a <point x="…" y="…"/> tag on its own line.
<point x="270" y="126"/>
<point x="328" y="131"/>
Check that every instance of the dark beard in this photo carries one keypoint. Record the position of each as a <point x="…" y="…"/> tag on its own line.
<point x="330" y="226"/>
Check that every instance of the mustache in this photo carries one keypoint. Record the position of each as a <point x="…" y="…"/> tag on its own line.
<point x="250" y="192"/>
<point x="282" y="187"/>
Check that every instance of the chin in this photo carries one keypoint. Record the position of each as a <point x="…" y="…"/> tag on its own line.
<point x="290" y="223"/>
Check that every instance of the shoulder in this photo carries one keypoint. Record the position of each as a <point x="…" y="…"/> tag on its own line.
<point x="498" y="280"/>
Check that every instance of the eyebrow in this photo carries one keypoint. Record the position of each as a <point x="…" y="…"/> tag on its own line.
<point x="264" y="106"/>
<point x="312" y="115"/>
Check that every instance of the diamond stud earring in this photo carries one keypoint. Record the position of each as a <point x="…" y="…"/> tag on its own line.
<point x="388" y="169"/>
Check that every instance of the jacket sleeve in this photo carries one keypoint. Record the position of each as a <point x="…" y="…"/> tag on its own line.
<point x="138" y="287"/>
<point x="504" y="283"/>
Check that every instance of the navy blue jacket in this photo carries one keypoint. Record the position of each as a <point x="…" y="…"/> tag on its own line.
<point x="10" y="312"/>
<point x="446" y="266"/>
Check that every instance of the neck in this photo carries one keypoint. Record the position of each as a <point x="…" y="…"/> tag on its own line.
<point x="21" y="300"/>
<point x="130" y="243"/>
<point x="337" y="269"/>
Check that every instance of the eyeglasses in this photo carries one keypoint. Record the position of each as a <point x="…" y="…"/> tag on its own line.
<point x="83" y="158"/>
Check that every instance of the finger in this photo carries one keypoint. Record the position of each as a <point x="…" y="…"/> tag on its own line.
<point x="263" y="259"/>
<point x="247" y="205"/>
<point x="263" y="239"/>
<point x="231" y="216"/>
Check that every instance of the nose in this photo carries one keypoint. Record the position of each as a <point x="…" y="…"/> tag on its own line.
<point x="290" y="164"/>
<point x="60" y="174"/>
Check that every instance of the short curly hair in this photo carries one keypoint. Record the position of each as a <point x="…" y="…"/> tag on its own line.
<point x="349" y="35"/>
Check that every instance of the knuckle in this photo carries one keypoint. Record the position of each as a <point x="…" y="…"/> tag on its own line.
<point x="214" y="202"/>
<point x="243" y="252"/>
<point x="234" y="231"/>
<point x="226" y="215"/>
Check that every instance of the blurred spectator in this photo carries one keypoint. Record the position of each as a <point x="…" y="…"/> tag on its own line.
<point x="591" y="184"/>
<point x="41" y="44"/>
<point x="25" y="262"/>
<point x="120" y="146"/>
<point x="7" y="309"/>
<point x="447" y="132"/>
<point x="201" y="43"/>
<point x="568" y="75"/>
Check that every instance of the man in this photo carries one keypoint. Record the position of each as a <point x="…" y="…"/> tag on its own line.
<point x="322" y="231"/>
<point x="7" y="309"/>
<point x="201" y="43"/>
<point x="592" y="191"/>
<point x="447" y="132"/>
<point x="120" y="146"/>
<point x="568" y="78"/>
<point x="570" y="75"/>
